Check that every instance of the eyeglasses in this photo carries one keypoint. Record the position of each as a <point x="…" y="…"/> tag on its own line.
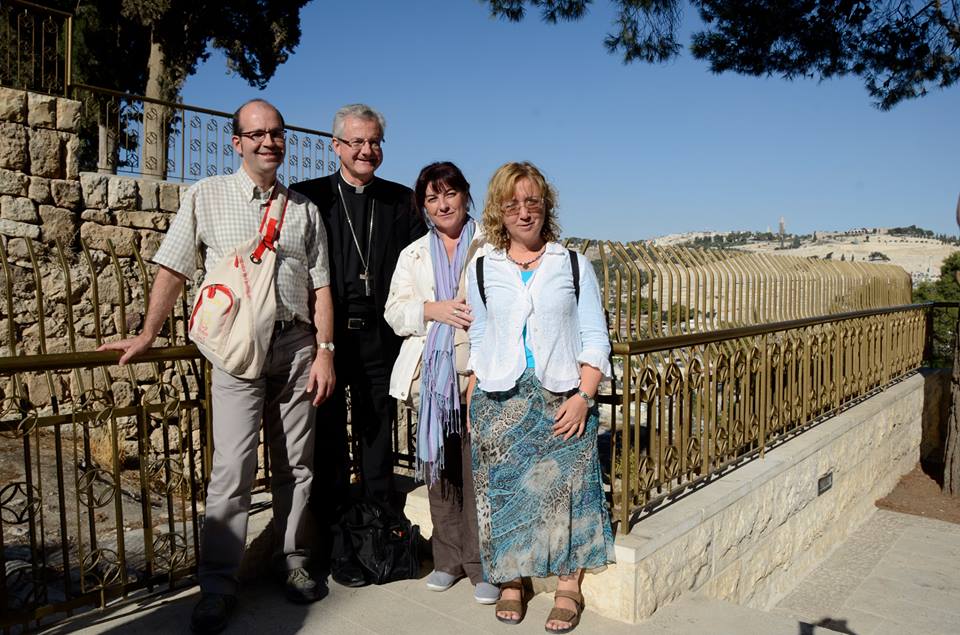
<point x="357" y="144"/>
<point x="532" y="203"/>
<point x="257" y="136"/>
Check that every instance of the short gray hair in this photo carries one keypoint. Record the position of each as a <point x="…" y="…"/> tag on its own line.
<point x="360" y="111"/>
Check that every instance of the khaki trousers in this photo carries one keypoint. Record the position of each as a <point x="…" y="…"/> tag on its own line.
<point x="279" y="399"/>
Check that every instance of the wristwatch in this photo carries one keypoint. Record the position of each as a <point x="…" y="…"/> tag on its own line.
<point x="591" y="402"/>
<point x="327" y="346"/>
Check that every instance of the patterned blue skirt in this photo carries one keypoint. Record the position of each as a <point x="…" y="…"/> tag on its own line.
<point x="540" y="503"/>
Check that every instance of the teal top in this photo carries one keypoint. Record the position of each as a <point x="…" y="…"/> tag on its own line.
<point x="525" y="276"/>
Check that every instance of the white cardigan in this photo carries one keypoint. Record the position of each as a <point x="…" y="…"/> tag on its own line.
<point x="562" y="332"/>
<point x="411" y="286"/>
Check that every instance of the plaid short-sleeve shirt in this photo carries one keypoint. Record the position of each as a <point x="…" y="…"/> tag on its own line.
<point x="220" y="212"/>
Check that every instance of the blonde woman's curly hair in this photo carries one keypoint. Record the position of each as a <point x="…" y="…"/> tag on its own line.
<point x="502" y="186"/>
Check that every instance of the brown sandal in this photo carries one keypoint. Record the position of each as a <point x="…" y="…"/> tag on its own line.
<point x="565" y="615"/>
<point x="511" y="606"/>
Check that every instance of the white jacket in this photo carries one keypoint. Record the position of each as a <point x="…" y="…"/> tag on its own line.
<point x="563" y="333"/>
<point x="411" y="286"/>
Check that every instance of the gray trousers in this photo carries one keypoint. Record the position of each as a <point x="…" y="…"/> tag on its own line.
<point x="279" y="399"/>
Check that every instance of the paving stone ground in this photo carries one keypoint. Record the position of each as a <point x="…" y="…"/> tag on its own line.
<point x="897" y="574"/>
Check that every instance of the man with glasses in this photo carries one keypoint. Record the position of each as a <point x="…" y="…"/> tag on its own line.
<point x="217" y="214"/>
<point x="369" y="221"/>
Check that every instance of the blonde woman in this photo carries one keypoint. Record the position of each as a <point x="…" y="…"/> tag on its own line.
<point x="538" y="350"/>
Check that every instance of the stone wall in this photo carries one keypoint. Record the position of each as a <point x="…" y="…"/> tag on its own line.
<point x="45" y="200"/>
<point x="751" y="535"/>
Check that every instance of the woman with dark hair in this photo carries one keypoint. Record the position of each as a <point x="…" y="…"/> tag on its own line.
<point x="426" y="307"/>
<point x="538" y="351"/>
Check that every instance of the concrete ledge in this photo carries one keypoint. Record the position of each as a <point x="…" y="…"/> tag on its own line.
<point x="751" y="535"/>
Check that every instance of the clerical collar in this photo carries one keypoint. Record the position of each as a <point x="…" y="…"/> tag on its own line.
<point x="358" y="189"/>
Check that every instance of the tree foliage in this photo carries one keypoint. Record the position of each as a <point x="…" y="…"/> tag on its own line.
<point x="254" y="35"/>
<point x="944" y="289"/>
<point x="114" y="40"/>
<point x="900" y="49"/>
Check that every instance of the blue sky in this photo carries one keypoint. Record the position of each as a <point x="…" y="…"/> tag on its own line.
<point x="634" y="151"/>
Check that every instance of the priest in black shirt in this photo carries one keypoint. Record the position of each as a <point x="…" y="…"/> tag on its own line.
<point x="368" y="222"/>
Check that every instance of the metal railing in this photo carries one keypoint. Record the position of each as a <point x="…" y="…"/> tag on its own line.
<point x="35" y="47"/>
<point x="165" y="140"/>
<point x="686" y="407"/>
<point x="107" y="498"/>
<point x="133" y="134"/>
<point x="104" y="467"/>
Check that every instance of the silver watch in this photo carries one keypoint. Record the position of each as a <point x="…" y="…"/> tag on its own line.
<point x="327" y="346"/>
<point x="590" y="400"/>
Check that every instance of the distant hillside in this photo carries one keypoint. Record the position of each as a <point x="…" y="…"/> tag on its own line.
<point x="919" y="251"/>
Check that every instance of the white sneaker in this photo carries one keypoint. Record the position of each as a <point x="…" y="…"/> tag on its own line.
<point x="440" y="580"/>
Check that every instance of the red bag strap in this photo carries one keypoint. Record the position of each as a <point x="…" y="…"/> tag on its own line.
<point x="271" y="223"/>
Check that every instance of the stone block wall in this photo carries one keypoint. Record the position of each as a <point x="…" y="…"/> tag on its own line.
<point x="39" y="165"/>
<point x="45" y="201"/>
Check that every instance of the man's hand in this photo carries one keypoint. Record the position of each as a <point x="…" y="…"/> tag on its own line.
<point x="131" y="347"/>
<point x="166" y="288"/>
<point x="322" y="377"/>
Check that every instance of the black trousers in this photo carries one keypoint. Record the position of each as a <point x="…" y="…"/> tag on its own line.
<point x="361" y="364"/>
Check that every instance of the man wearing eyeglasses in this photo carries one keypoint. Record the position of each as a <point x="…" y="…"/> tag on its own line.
<point x="217" y="214"/>
<point x="369" y="221"/>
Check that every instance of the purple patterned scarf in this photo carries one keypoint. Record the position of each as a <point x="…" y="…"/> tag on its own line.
<point x="439" y="414"/>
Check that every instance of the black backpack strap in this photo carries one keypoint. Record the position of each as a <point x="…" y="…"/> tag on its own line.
<point x="575" y="267"/>
<point x="483" y="292"/>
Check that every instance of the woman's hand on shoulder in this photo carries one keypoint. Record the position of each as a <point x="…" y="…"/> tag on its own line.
<point x="453" y="312"/>
<point x="571" y="418"/>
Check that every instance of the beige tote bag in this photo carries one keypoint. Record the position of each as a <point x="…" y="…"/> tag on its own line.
<point x="233" y="316"/>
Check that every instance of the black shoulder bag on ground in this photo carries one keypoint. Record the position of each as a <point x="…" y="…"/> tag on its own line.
<point x="384" y="543"/>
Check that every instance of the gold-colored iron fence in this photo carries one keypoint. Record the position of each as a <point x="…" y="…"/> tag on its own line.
<point x="35" y="47"/>
<point x="103" y="467"/>
<point x="106" y="495"/>
<point x="149" y="137"/>
<point x="684" y="408"/>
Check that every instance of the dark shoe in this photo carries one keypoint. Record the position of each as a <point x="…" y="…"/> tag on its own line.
<point x="347" y="573"/>
<point x="212" y="612"/>
<point x="300" y="588"/>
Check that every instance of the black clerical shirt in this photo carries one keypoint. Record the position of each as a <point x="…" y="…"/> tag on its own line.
<point x="358" y="207"/>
